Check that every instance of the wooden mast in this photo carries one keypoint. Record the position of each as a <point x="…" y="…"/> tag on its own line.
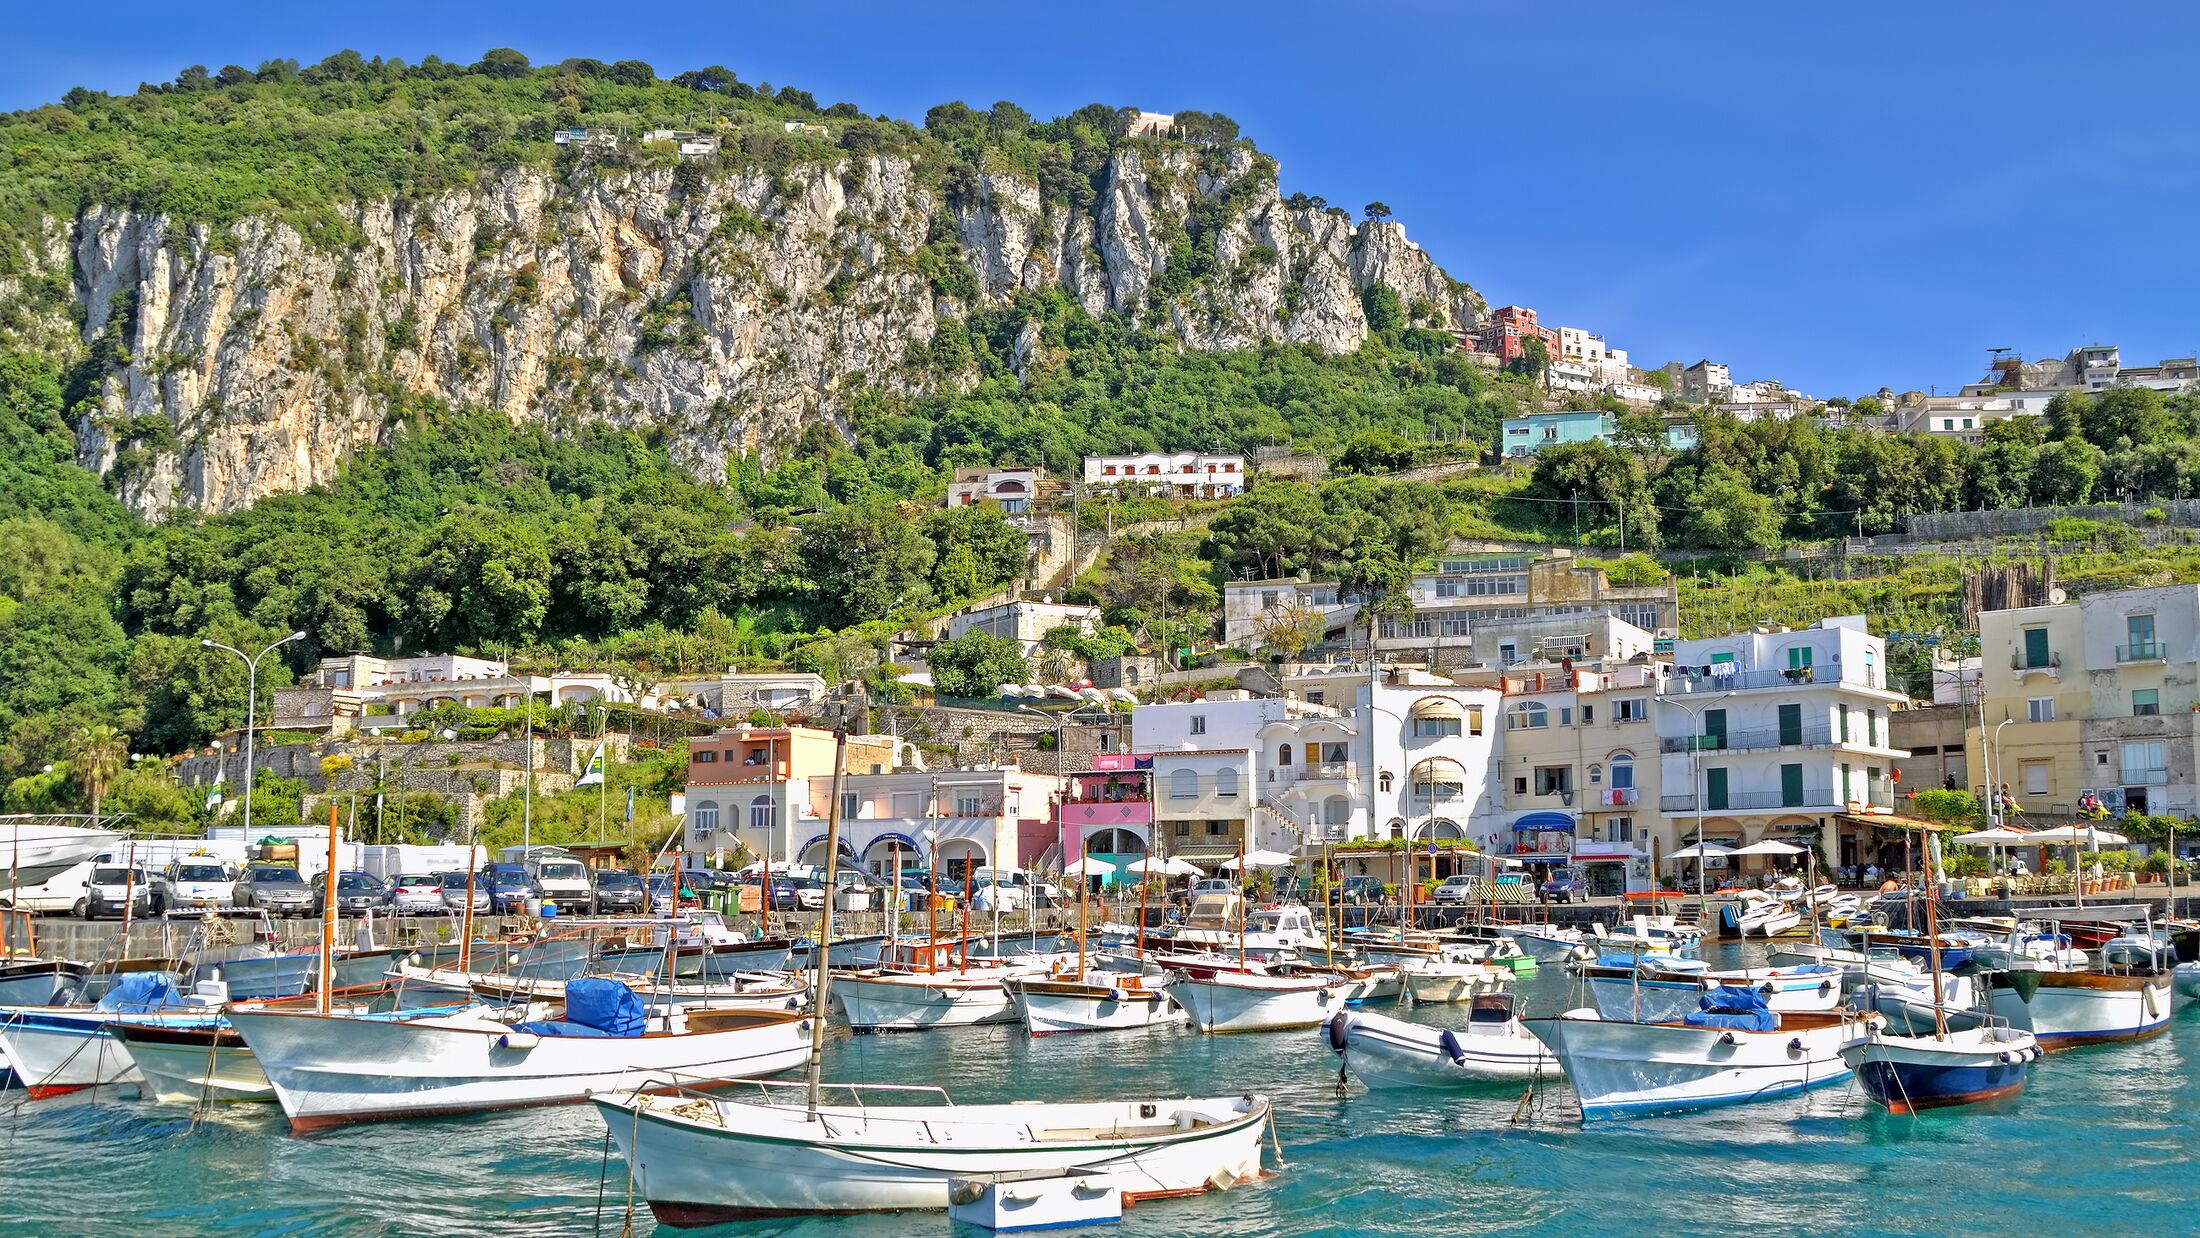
<point x="1932" y="933"/>
<point x="819" y="1007"/>
<point x="328" y="918"/>
<point x="964" y="945"/>
<point x="1241" y="903"/>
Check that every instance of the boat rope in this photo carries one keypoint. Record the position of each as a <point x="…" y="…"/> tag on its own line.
<point x="634" y="1154"/>
<point x="1274" y="1140"/>
<point x="603" y="1175"/>
<point x="202" y="1107"/>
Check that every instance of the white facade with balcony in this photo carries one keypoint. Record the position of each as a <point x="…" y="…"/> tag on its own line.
<point x="1777" y="733"/>
<point x="1180" y="474"/>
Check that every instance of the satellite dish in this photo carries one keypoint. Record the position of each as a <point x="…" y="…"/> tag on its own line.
<point x="2057" y="596"/>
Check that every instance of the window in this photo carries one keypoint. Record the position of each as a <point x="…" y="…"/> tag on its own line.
<point x="1183" y="829"/>
<point x="1871" y="727"/>
<point x="1474" y="719"/>
<point x="1199" y="724"/>
<point x="1622" y="829"/>
<point x="1714" y="728"/>
<point x="1623" y="772"/>
<point x="2035" y="777"/>
<point x="705" y="756"/>
<point x="1799" y="657"/>
<point x="1565" y="715"/>
<point x="1791" y="786"/>
<point x="2040" y="709"/>
<point x="2035" y="649"/>
<point x="757" y="756"/>
<point x="1630" y="709"/>
<point x="1184" y="784"/>
<point x="1226" y="782"/>
<point x="2139" y="633"/>
<point x="970" y="804"/>
<point x="1218" y="829"/>
<point x="2143" y="762"/>
<point x="1314" y="698"/>
<point x="1528" y="717"/>
<point x="1520" y="786"/>
<point x="1436" y="728"/>
<point x="1507" y="654"/>
<point x="1386" y="781"/>
<point x="1791" y="725"/>
<point x="1714" y="789"/>
<point x="1588" y="715"/>
<point x="851" y="806"/>
<point x="1283" y="755"/>
<point x="2146" y="702"/>
<point x="760" y="813"/>
<point x="1554" y="779"/>
<point x="706" y="816"/>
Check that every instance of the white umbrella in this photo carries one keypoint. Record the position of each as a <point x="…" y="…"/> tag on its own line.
<point x="1700" y="851"/>
<point x="1181" y="867"/>
<point x="1768" y="847"/>
<point x="1150" y="866"/>
<point x="2075" y="836"/>
<point x="1261" y="859"/>
<point x="1087" y="866"/>
<point x="1999" y="836"/>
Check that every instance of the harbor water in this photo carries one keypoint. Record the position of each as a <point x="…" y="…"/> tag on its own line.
<point x="2100" y="1142"/>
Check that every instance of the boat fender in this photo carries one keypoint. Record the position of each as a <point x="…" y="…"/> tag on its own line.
<point x="1766" y="988"/>
<point x="1795" y="1045"/>
<point x="965" y="1191"/>
<point x="1449" y="1043"/>
<point x="2005" y="1058"/>
<point x="1340" y="1031"/>
<point x="1727" y="1038"/>
<point x="1825" y="986"/>
<point x="518" y="1040"/>
<point x="2153" y="1010"/>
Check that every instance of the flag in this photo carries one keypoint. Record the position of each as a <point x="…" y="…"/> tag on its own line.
<point x="630" y="805"/>
<point x="594" y="775"/>
<point x="214" y="792"/>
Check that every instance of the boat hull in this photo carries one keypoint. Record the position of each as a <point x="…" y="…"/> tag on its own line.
<point x="195" y="1064"/>
<point x="1052" y="1007"/>
<point x="1235" y="1002"/>
<point x="882" y="1003"/>
<point x="1383" y="1052"/>
<point x="329" y="1071"/>
<point x="1561" y="947"/>
<point x="759" y="1160"/>
<point x="1446" y="983"/>
<point x="725" y="961"/>
<point x="39" y="983"/>
<point x="2073" y="1009"/>
<point x="1912" y="1073"/>
<point x="60" y="1050"/>
<point x="34" y="853"/>
<point x="1622" y="1070"/>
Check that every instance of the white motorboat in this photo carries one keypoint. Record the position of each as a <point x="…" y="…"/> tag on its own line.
<point x="328" y="1070"/>
<point x="32" y="850"/>
<point x="1430" y="982"/>
<point x="1550" y="943"/>
<point x="1096" y="1001"/>
<point x="1903" y="992"/>
<point x="1805" y="953"/>
<point x="1810" y="986"/>
<point x="1267" y="932"/>
<point x="701" y="1160"/>
<point x="1221" y="1000"/>
<point x="2185" y="977"/>
<point x="1392" y="1053"/>
<point x="1648" y="988"/>
<point x="55" y="1050"/>
<point x="194" y="1063"/>
<point x="39" y="982"/>
<point x="1754" y="913"/>
<point x="882" y="1001"/>
<point x="743" y="990"/>
<point x="2066" y="1009"/>
<point x="1646" y="935"/>
<point x="1734" y="1050"/>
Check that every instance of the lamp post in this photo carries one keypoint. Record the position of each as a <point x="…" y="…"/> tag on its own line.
<point x="1994" y="814"/>
<point x="1696" y="798"/>
<point x="251" y="703"/>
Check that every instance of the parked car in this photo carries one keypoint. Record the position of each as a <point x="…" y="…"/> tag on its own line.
<point x="1459" y="889"/>
<point x="418" y="894"/>
<point x="661" y="893"/>
<point x="454" y="892"/>
<point x="203" y="881"/>
<point x="1566" y="885"/>
<point x="992" y="894"/>
<point x="1362" y="888"/>
<point x="110" y="889"/>
<point x="356" y="893"/>
<point x="276" y="889"/>
<point x="1214" y="885"/>
<point x="797" y="894"/>
<point x="510" y="888"/>
<point x="618" y="890"/>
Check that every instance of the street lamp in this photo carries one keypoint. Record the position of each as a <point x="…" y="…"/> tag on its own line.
<point x="1696" y="797"/>
<point x="251" y="705"/>
<point x="1991" y="757"/>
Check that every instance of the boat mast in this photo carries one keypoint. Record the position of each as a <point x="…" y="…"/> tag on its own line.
<point x="824" y="948"/>
<point x="1810" y="893"/>
<point x="1241" y="902"/>
<point x="1329" y="939"/>
<point x="932" y="908"/>
<point x="893" y="857"/>
<point x="328" y="918"/>
<point x="1932" y="933"/>
<point x="1143" y="881"/>
<point x="1083" y="881"/>
<point x="968" y="879"/>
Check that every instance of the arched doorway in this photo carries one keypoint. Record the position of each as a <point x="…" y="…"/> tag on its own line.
<point x="952" y="855"/>
<point x="1116" y="846"/>
<point x="887" y="850"/>
<point x="813" y="852"/>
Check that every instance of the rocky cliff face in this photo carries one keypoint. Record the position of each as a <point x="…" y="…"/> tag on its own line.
<point x="730" y="311"/>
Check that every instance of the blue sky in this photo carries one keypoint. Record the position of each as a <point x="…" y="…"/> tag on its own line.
<point x="1837" y="196"/>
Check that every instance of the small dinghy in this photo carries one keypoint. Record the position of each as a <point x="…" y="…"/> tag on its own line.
<point x="55" y="1050"/>
<point x="1222" y="1000"/>
<point x="1392" y="1053"/>
<point x="1099" y="1000"/>
<point x="1436" y="981"/>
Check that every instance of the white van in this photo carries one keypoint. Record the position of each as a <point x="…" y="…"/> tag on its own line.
<point x="562" y="879"/>
<point x="202" y="881"/>
<point x="62" y="892"/>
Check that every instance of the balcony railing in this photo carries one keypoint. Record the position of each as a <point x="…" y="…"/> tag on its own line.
<point x="1742" y="741"/>
<point x="1737" y="681"/>
<point x="2144" y="777"/>
<point x="1332" y="769"/>
<point x="1756" y="801"/>
<point x="2147" y="651"/>
<point x="2019" y="662"/>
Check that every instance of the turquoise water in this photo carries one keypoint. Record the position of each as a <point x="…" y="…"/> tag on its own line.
<point x="2100" y="1142"/>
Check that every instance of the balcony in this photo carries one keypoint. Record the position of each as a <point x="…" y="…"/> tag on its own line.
<point x="1824" y="736"/>
<point x="1610" y="849"/>
<point x="2148" y="651"/>
<point x="1107" y="812"/>
<point x="1761" y="801"/>
<point x="1334" y="771"/>
<point x="2051" y="666"/>
<point x="1741" y="681"/>
<point x="2144" y="778"/>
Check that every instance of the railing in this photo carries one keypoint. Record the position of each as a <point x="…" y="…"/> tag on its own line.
<point x="2149" y="651"/>
<point x="2018" y="662"/>
<point x="1331" y="770"/>
<point x="1756" y="800"/>
<point x="1613" y="797"/>
<point x="1741" y="741"/>
<point x="2144" y="777"/>
<point x="1736" y="681"/>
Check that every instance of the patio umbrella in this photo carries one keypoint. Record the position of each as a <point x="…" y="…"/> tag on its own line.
<point x="1700" y="851"/>
<point x="1261" y="859"/>
<point x="1999" y="836"/>
<point x="1087" y="866"/>
<point x="2074" y="836"/>
<point x="1768" y="847"/>
<point x="1152" y="865"/>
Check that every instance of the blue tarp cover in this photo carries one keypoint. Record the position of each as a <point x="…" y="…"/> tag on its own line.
<point x="1734" y="1007"/>
<point x="141" y="991"/>
<point x="606" y="1005"/>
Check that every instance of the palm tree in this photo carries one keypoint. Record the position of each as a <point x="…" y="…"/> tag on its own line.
<point x="99" y="753"/>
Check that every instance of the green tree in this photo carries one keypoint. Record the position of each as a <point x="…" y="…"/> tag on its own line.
<point x="1386" y="314"/>
<point x="1377" y="211"/>
<point x="975" y="664"/>
<point x="99" y="753"/>
<point x="1728" y="515"/>
<point x="867" y="559"/>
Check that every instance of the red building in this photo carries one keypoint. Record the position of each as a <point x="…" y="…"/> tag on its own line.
<point x="1508" y="332"/>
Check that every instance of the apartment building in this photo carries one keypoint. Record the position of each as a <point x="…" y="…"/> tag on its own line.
<point x="364" y="692"/>
<point x="1577" y="768"/>
<point x="1013" y="490"/>
<point x="1500" y="607"/>
<point x="1024" y="620"/>
<point x="1406" y="754"/>
<point x="744" y="783"/>
<point x="1252" y="608"/>
<point x="2091" y="701"/>
<point x="1181" y="474"/>
<point x="1779" y="733"/>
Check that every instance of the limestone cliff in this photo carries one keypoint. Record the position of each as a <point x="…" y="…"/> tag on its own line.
<point x="729" y="311"/>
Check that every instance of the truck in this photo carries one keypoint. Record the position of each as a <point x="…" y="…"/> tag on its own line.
<point x="303" y="847"/>
<point x="558" y="874"/>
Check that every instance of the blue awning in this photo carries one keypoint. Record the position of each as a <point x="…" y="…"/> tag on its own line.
<point x="1530" y="822"/>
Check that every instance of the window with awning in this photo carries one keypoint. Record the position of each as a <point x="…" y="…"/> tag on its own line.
<point x="1436" y="717"/>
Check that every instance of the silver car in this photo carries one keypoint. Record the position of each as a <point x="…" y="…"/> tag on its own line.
<point x="276" y="889"/>
<point x="454" y="893"/>
<point x="416" y="894"/>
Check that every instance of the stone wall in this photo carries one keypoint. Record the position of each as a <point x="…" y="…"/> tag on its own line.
<point x="470" y="773"/>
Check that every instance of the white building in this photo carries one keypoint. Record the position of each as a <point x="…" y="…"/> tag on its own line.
<point x="1182" y="474"/>
<point x="1775" y="733"/>
<point x="1252" y="608"/>
<point x="1012" y="489"/>
<point x="687" y="144"/>
<point x="1025" y="621"/>
<point x="367" y="692"/>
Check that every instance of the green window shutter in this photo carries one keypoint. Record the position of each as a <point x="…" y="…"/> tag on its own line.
<point x="1791" y="724"/>
<point x="2035" y="647"/>
<point x="1791" y="786"/>
<point x="1714" y="789"/>
<point x="1714" y="728"/>
<point x="1798" y="657"/>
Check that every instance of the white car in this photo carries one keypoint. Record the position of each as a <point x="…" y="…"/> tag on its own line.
<point x="992" y="896"/>
<point x="202" y="881"/>
<point x="417" y="894"/>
